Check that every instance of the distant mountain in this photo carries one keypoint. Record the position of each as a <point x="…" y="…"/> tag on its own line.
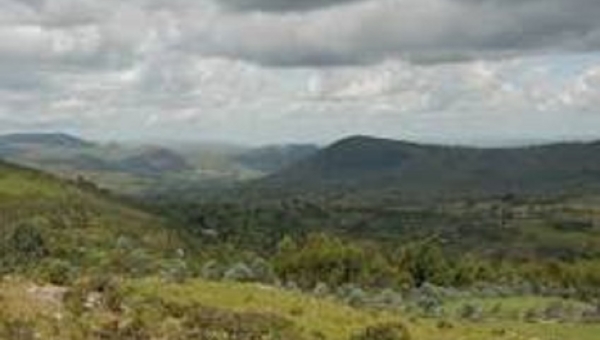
<point x="120" y="167"/>
<point x="364" y="163"/>
<point x="272" y="158"/>
<point x="153" y="161"/>
<point x="43" y="139"/>
<point x="141" y="169"/>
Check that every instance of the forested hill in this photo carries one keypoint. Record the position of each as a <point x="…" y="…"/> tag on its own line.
<point x="365" y="163"/>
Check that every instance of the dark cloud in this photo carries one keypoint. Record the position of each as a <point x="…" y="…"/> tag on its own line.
<point x="282" y="5"/>
<point x="419" y="30"/>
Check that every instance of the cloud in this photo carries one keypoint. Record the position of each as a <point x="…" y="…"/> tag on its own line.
<point x="425" y="31"/>
<point x="300" y="70"/>
<point x="282" y="5"/>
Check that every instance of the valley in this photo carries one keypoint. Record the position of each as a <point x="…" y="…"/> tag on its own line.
<point x="311" y="247"/>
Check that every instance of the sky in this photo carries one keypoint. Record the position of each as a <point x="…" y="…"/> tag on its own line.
<point x="484" y="72"/>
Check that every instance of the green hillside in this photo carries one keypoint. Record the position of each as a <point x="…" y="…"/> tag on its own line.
<point x="371" y="164"/>
<point x="48" y="223"/>
<point x="78" y="263"/>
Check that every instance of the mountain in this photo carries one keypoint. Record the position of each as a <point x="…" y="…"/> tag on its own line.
<point x="24" y="140"/>
<point x="153" y="161"/>
<point x="41" y="145"/>
<point x="140" y="169"/>
<point x="123" y="168"/>
<point x="371" y="164"/>
<point x="45" y="219"/>
<point x="272" y="158"/>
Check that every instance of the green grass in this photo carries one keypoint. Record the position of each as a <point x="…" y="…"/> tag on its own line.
<point x="19" y="183"/>
<point x="333" y="320"/>
<point x="513" y="307"/>
<point x="338" y="321"/>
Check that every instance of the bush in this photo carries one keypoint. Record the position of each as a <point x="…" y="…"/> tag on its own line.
<point x="239" y="272"/>
<point x="262" y="271"/>
<point x="445" y="324"/>
<point x="17" y="330"/>
<point x="107" y="290"/>
<point x="388" y="298"/>
<point x="531" y="315"/>
<point x="321" y="290"/>
<point x="133" y="329"/>
<point x="175" y="271"/>
<point x="352" y="295"/>
<point x="430" y="305"/>
<point x="206" y="323"/>
<point x="390" y="331"/>
<point x="211" y="270"/>
<point x="555" y="311"/>
<point x="470" y="312"/>
<point x="57" y="272"/>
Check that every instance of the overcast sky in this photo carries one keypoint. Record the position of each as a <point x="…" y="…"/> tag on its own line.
<point x="264" y="71"/>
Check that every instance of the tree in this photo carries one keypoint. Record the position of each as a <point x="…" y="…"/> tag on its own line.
<point x="425" y="262"/>
<point x="24" y="246"/>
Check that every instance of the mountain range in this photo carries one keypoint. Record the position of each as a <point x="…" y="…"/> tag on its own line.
<point x="139" y="168"/>
<point x="363" y="163"/>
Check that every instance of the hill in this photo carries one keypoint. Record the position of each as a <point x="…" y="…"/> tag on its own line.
<point x="370" y="164"/>
<point x="24" y="140"/>
<point x="122" y="168"/>
<point x="140" y="169"/>
<point x="153" y="161"/>
<point x="46" y="222"/>
<point x="272" y="158"/>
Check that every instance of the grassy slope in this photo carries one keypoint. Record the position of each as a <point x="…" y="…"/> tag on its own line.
<point x="338" y="322"/>
<point x="310" y="315"/>
<point x="77" y="223"/>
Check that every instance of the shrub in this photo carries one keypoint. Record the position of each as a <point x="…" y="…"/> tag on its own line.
<point x="429" y="305"/>
<point x="321" y="290"/>
<point x="389" y="331"/>
<point x="133" y="329"/>
<point x="445" y="324"/>
<point x="292" y="286"/>
<point x="57" y="272"/>
<point x="17" y="330"/>
<point x="470" y="312"/>
<point x="531" y="315"/>
<point x="262" y="271"/>
<point x="352" y="295"/>
<point x="239" y="272"/>
<point x="496" y="309"/>
<point x="554" y="311"/>
<point x="175" y="271"/>
<point x="211" y="270"/>
<point x="105" y="288"/>
<point x="591" y="315"/>
<point x="388" y="298"/>
<point x="207" y="323"/>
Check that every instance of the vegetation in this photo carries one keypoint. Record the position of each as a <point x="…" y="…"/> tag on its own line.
<point x="362" y="164"/>
<point x="57" y="230"/>
<point x="77" y="262"/>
